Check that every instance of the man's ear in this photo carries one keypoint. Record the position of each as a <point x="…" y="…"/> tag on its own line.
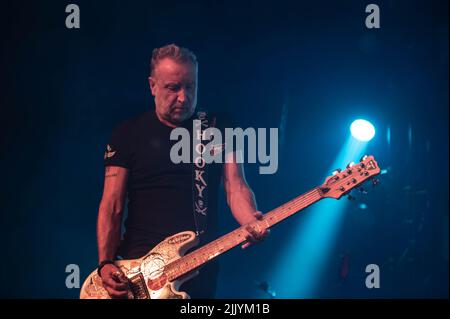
<point x="152" y="83"/>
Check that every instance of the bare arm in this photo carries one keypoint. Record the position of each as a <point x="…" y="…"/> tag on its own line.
<point x="108" y="229"/>
<point x="240" y="197"/>
<point x="241" y="201"/>
<point x="110" y="211"/>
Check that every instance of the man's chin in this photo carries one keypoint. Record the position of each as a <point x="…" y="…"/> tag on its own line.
<point x="180" y="116"/>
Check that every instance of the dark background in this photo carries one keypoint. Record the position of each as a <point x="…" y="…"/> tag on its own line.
<point x="63" y="90"/>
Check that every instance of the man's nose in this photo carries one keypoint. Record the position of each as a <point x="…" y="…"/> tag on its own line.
<point x="182" y="96"/>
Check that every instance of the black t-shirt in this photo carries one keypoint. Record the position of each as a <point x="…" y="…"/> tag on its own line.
<point x="160" y="193"/>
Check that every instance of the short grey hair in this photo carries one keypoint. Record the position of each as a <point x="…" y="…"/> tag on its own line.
<point x="174" y="52"/>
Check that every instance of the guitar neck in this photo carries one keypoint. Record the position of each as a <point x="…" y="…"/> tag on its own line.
<point x="217" y="247"/>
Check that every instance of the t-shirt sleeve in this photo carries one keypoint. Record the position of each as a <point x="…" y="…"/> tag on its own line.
<point x="117" y="151"/>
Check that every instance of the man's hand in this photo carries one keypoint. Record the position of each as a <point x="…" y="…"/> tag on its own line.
<point x="114" y="281"/>
<point x="255" y="235"/>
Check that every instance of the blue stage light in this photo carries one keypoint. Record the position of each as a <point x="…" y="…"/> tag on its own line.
<point x="362" y="130"/>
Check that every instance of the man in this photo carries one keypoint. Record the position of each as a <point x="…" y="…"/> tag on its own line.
<point x="160" y="193"/>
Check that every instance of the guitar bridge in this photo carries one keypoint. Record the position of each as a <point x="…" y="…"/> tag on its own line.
<point x="138" y="287"/>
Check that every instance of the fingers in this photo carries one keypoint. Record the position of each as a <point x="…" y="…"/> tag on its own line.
<point x="266" y="232"/>
<point x="120" y="276"/>
<point x="115" y="289"/>
<point x="258" y="215"/>
<point x="251" y="233"/>
<point x="254" y="236"/>
<point x="115" y="282"/>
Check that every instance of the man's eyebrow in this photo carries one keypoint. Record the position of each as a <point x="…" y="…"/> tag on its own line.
<point x="191" y="83"/>
<point x="171" y="83"/>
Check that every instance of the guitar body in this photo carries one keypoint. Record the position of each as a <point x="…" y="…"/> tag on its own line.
<point x="146" y="275"/>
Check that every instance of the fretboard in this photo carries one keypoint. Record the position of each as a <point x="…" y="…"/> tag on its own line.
<point x="217" y="247"/>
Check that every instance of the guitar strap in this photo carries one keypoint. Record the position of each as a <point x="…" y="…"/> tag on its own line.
<point x="200" y="172"/>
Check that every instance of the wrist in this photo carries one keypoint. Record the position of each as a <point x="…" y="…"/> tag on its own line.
<point x="103" y="264"/>
<point x="250" y="217"/>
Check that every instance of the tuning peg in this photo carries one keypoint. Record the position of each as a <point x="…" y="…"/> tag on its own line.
<point x="375" y="182"/>
<point x="350" y="164"/>
<point x="363" y="158"/>
<point x="336" y="171"/>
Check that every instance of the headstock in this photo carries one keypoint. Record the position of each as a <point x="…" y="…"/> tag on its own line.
<point x="343" y="181"/>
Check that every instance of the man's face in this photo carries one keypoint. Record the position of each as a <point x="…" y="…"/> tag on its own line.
<point x="174" y="86"/>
